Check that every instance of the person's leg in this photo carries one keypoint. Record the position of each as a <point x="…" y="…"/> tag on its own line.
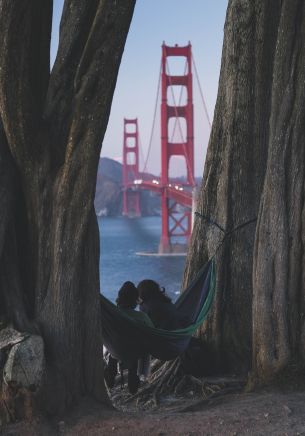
<point x="111" y="371"/>
<point x="144" y="367"/>
<point x="133" y="379"/>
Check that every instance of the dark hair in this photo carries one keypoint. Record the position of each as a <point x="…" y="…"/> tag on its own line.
<point x="128" y="296"/>
<point x="149" y="290"/>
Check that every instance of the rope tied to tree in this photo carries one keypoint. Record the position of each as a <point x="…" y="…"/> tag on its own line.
<point x="234" y="229"/>
<point x="210" y="221"/>
<point x="226" y="232"/>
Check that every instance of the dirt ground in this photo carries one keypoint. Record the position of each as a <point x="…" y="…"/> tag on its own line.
<point x="268" y="412"/>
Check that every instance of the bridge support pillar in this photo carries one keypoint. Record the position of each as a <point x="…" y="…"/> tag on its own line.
<point x="131" y="196"/>
<point x="176" y="219"/>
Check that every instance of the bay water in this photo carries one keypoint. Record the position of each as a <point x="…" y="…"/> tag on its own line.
<point x="120" y="241"/>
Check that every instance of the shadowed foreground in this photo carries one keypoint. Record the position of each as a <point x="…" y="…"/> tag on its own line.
<point x="260" y="413"/>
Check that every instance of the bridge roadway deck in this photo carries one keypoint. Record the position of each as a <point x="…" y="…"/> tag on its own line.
<point x="176" y="192"/>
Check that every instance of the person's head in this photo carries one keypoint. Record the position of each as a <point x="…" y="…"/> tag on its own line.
<point x="128" y="296"/>
<point x="149" y="290"/>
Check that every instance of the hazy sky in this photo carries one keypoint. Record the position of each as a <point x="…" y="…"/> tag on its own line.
<point x="175" y="22"/>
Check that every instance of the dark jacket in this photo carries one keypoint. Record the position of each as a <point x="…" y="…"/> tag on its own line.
<point x="163" y="314"/>
<point x="138" y="316"/>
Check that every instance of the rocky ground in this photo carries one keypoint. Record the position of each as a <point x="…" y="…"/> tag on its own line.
<point x="214" y="405"/>
<point x="267" y="412"/>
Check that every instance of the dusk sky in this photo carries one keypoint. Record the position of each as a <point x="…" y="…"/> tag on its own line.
<point x="176" y="22"/>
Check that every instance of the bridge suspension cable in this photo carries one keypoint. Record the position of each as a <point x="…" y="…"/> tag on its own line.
<point x="177" y="120"/>
<point x="154" y="120"/>
<point x="201" y="93"/>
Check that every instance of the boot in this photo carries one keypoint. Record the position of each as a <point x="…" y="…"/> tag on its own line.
<point x="110" y="372"/>
<point x="133" y="379"/>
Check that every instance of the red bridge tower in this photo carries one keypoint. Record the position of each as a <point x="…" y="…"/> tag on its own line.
<point x="176" y="221"/>
<point x="131" y="195"/>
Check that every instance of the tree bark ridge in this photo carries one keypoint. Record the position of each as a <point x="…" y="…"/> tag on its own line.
<point x="278" y="257"/>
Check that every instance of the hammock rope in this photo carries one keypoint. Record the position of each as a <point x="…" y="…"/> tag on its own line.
<point x="227" y="233"/>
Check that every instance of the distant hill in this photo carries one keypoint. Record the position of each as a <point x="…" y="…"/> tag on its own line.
<point x="108" y="197"/>
<point x="110" y="168"/>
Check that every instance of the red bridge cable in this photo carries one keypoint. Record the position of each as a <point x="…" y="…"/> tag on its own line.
<point x="154" y="120"/>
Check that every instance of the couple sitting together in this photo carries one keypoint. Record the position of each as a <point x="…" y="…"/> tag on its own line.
<point x="156" y="310"/>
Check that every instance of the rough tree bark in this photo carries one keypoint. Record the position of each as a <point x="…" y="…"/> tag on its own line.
<point x="53" y="124"/>
<point x="279" y="255"/>
<point x="255" y="169"/>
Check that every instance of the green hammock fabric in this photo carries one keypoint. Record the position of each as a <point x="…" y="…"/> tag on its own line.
<point x="129" y="339"/>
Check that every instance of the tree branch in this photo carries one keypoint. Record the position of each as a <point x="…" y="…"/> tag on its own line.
<point x="85" y="72"/>
<point x="25" y="31"/>
<point x="80" y="113"/>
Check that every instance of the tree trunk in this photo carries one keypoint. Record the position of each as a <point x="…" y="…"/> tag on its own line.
<point x="54" y="124"/>
<point x="255" y="169"/>
<point x="279" y="256"/>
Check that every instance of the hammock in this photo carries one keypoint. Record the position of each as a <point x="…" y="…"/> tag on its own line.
<point x="128" y="339"/>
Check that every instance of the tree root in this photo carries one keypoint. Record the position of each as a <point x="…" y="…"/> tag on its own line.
<point x="210" y="400"/>
<point x="171" y="379"/>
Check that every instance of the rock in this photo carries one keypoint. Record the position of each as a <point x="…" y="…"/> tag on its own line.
<point x="9" y="337"/>
<point x="25" y="363"/>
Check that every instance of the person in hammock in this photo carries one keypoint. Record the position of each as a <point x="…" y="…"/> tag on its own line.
<point x="127" y="301"/>
<point x="159" y="307"/>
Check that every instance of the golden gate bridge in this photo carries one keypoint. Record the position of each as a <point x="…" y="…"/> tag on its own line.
<point x="177" y="195"/>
